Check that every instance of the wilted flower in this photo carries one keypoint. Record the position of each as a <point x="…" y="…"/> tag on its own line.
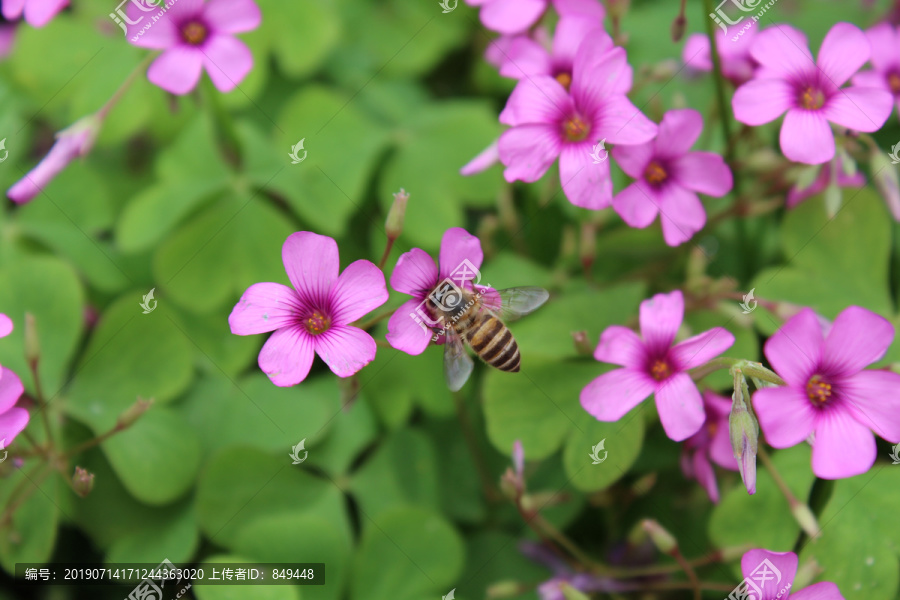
<point x="668" y="177"/>
<point x="810" y="91"/>
<point x="828" y="392"/>
<point x="514" y="16"/>
<point x="37" y="13"/>
<point x="197" y="35"/>
<point x="786" y="564"/>
<point x="416" y="274"/>
<point x="885" y="59"/>
<point x="315" y="316"/>
<point x="652" y="365"/>
<point x="12" y="418"/>
<point x="737" y="63"/>
<point x="712" y="442"/>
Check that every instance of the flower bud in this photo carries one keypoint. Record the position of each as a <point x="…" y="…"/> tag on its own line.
<point x="133" y="413"/>
<point x="744" y="430"/>
<point x="678" y="27"/>
<point x="885" y="175"/>
<point x="582" y="345"/>
<point x="394" y="224"/>
<point x="32" y="344"/>
<point x="661" y="538"/>
<point x="510" y="484"/>
<point x="82" y="482"/>
<point x="518" y="458"/>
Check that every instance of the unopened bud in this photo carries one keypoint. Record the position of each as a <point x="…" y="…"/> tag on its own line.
<point x="678" y="27"/>
<point x="504" y="589"/>
<point x="637" y="535"/>
<point x="885" y="175"/>
<point x="518" y="457"/>
<point x="661" y="538"/>
<point x="582" y="345"/>
<point x="32" y="343"/>
<point x="744" y="430"/>
<point x="82" y="482"/>
<point x="570" y="593"/>
<point x="394" y="224"/>
<point x="510" y="484"/>
<point x="134" y="412"/>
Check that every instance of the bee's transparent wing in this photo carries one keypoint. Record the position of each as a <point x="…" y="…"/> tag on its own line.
<point x="512" y="303"/>
<point x="457" y="362"/>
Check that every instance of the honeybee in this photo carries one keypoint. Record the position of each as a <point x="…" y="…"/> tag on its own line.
<point x="475" y="317"/>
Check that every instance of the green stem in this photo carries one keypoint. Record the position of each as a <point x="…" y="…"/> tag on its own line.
<point x="114" y="99"/>
<point x="799" y="510"/>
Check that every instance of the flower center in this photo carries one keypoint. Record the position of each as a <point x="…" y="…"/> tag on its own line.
<point x="317" y="323"/>
<point x="655" y="173"/>
<point x="576" y="129"/>
<point x="894" y="83"/>
<point x="711" y="428"/>
<point x="194" y="33"/>
<point x="565" y="79"/>
<point x="660" y="369"/>
<point x="818" y="391"/>
<point x="812" y="98"/>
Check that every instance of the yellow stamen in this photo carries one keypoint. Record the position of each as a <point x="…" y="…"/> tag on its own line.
<point x="194" y="33"/>
<point x="812" y="99"/>
<point x="576" y="129"/>
<point x="317" y="323"/>
<point x="565" y="79"/>
<point x="660" y="370"/>
<point x="818" y="391"/>
<point x="655" y="173"/>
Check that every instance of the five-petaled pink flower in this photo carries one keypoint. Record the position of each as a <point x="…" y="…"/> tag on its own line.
<point x="37" y="13"/>
<point x="668" y="177"/>
<point x="885" y="41"/>
<point x="12" y="418"/>
<point x="549" y="122"/>
<point x="514" y="16"/>
<point x="652" y="365"/>
<point x="711" y="442"/>
<point x="828" y="392"/>
<point x="775" y="578"/>
<point x="737" y="63"/>
<point x="417" y="275"/>
<point x="195" y="35"/>
<point x="788" y="79"/>
<point x="315" y="316"/>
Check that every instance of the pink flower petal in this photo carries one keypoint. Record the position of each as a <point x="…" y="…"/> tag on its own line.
<point x="860" y="108"/>
<point x="762" y="100"/>
<point x="6" y="325"/>
<point x="720" y="450"/>
<point x="11" y="389"/>
<point x="661" y="317"/>
<point x="597" y="68"/>
<point x="485" y="160"/>
<point x="636" y="206"/>
<point x="612" y="395"/>
<point x="783" y="50"/>
<point x="785" y="415"/>
<point x="706" y="476"/>
<point x="873" y="398"/>
<point x="873" y="79"/>
<point x="678" y="131"/>
<point x="806" y="137"/>
<point x="12" y="423"/>
<point x="287" y="356"/>
<point x="587" y="184"/>
<point x="824" y="590"/>
<point x="703" y="172"/>
<point x="528" y="151"/>
<point x="696" y="53"/>
<point x="415" y="273"/>
<point x="843" y="448"/>
<point x="345" y="349"/>
<point x="359" y="290"/>
<point x="227" y="60"/>
<point x="232" y="16"/>
<point x="621" y="346"/>
<point x="524" y="58"/>
<point x="12" y="9"/>
<point x="177" y="70"/>
<point x="785" y="562"/>
<point x="404" y="333"/>
<point x="702" y="348"/>
<point x="264" y="307"/>
<point x="681" y="214"/>
<point x="40" y="12"/>
<point x="620" y="122"/>
<point x="795" y="350"/>
<point x="885" y="46"/>
<point x="68" y="145"/>
<point x="633" y="159"/>
<point x="537" y="99"/>
<point x="589" y="8"/>
<point x="312" y="263"/>
<point x="857" y="338"/>
<point x="458" y="246"/>
<point x="844" y="51"/>
<point x="571" y="31"/>
<point x="680" y="407"/>
<point x="511" y="16"/>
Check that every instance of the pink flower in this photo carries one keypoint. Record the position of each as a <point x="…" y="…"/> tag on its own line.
<point x="514" y="16"/>
<point x="315" y="316"/>
<point x="810" y="91"/>
<point x="798" y="194"/>
<point x="196" y="35"/>
<point x="734" y="51"/>
<point x="486" y="159"/>
<point x="416" y="274"/>
<point x="885" y="58"/>
<point x="668" y="177"/>
<point x="711" y="442"/>
<point x="653" y="366"/>
<point x="547" y="122"/>
<point x="70" y="143"/>
<point x="37" y="13"/>
<point x="775" y="579"/>
<point x="12" y="418"/>
<point x="7" y="37"/>
<point x="828" y="392"/>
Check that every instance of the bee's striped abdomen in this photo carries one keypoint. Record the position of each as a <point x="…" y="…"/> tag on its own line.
<point x="493" y="342"/>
